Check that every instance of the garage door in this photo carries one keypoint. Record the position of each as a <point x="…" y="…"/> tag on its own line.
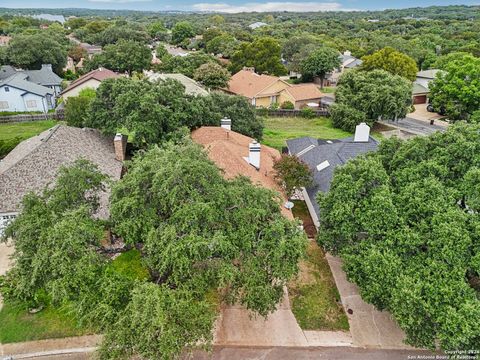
<point x="420" y="99"/>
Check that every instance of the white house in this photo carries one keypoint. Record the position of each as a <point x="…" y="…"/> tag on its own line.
<point x="19" y="95"/>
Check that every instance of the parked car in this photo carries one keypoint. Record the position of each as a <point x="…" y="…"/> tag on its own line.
<point x="441" y="110"/>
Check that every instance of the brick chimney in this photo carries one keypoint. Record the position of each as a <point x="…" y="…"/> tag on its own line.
<point x="247" y="68"/>
<point x="254" y="149"/>
<point x="226" y="123"/>
<point x="120" y="145"/>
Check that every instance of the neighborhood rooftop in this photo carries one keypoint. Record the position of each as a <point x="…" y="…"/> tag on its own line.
<point x="191" y="86"/>
<point x="323" y="156"/>
<point x="35" y="162"/>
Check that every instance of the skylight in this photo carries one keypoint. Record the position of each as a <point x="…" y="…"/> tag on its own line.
<point x="323" y="165"/>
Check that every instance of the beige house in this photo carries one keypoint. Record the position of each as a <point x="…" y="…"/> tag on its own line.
<point x="265" y="90"/>
<point x="90" y="80"/>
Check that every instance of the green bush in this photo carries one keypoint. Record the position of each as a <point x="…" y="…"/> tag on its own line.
<point x="307" y="113"/>
<point x="8" y="145"/>
<point x="287" y="105"/>
<point x="347" y="118"/>
<point x="274" y="106"/>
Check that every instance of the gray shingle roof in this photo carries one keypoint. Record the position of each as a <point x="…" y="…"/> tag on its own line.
<point x="336" y="152"/>
<point x="35" y="162"/>
<point x="44" y="76"/>
<point x="6" y="71"/>
<point x="18" y="80"/>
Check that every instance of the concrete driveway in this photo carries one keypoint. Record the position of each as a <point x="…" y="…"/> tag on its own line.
<point x="422" y="114"/>
<point x="369" y="327"/>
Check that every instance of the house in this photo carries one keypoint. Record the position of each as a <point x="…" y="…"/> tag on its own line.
<point x="50" y="17"/>
<point x="257" y="25"/>
<point x="90" y="80"/>
<point x="191" y="86"/>
<point x="35" y="162"/>
<point x="420" y="85"/>
<point x="237" y="154"/>
<point x="17" y="94"/>
<point x="265" y="90"/>
<point x="347" y="61"/>
<point x="44" y="76"/>
<point x="323" y="156"/>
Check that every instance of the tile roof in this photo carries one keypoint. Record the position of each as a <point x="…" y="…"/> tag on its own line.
<point x="227" y="149"/>
<point x="191" y="86"/>
<point x="304" y="92"/>
<point x="336" y="152"/>
<point x="249" y="84"/>
<point x="34" y="163"/>
<point x="98" y="74"/>
<point x="19" y="81"/>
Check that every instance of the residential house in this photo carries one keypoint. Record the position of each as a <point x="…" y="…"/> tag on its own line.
<point x="17" y="94"/>
<point x="323" y="156"/>
<point x="420" y="85"/>
<point x="265" y="90"/>
<point x="347" y="61"/>
<point x="90" y="80"/>
<point x="257" y="25"/>
<point x="34" y="164"/>
<point x="50" y="17"/>
<point x="44" y="76"/>
<point x="191" y="86"/>
<point x="237" y="154"/>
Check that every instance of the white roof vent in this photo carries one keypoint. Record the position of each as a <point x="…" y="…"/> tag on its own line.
<point x="307" y="149"/>
<point x="323" y="165"/>
<point x="329" y="142"/>
<point x="362" y="133"/>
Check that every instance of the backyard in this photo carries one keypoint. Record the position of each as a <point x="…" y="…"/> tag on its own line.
<point x="313" y="294"/>
<point x="279" y="129"/>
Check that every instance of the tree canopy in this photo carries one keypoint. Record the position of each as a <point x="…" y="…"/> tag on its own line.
<point x="322" y="61"/>
<point x="457" y="88"/>
<point x="405" y="220"/>
<point x="393" y="61"/>
<point x="264" y="54"/>
<point x="212" y="75"/>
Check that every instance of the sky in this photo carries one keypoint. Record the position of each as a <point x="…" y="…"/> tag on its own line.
<point x="231" y="6"/>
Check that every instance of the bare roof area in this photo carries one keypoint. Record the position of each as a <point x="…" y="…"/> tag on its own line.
<point x="98" y="74"/>
<point x="228" y="150"/>
<point x="35" y="162"/>
<point x="304" y="92"/>
<point x="249" y="84"/>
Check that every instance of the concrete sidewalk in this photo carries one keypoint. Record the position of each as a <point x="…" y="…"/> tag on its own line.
<point x="237" y="327"/>
<point x="369" y="327"/>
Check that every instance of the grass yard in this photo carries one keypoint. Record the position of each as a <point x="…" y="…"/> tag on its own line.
<point x="279" y="129"/>
<point x="18" y="325"/>
<point x="24" y="130"/>
<point x="300" y="211"/>
<point x="314" y="296"/>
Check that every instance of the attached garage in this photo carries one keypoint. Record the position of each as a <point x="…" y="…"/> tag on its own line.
<point x="419" y="99"/>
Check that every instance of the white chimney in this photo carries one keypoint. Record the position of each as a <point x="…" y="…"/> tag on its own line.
<point x="362" y="133"/>
<point x="254" y="154"/>
<point x="226" y="124"/>
<point x="347" y="53"/>
<point x="47" y="66"/>
<point x="120" y="146"/>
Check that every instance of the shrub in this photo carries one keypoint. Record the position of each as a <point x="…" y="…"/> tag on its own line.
<point x="287" y="105"/>
<point x="274" y="106"/>
<point x="346" y="118"/>
<point x="307" y="113"/>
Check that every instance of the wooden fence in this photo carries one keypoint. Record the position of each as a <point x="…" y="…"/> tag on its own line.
<point x="58" y="115"/>
<point x="292" y="112"/>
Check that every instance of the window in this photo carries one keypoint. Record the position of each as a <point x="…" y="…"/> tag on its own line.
<point x="7" y="89"/>
<point x="31" y="103"/>
<point x="3" y="104"/>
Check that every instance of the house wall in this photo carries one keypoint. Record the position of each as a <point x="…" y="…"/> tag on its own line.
<point x="285" y="96"/>
<point x="311" y="210"/>
<point x="265" y="101"/>
<point x="274" y="88"/>
<point x="91" y="83"/>
<point x="17" y="103"/>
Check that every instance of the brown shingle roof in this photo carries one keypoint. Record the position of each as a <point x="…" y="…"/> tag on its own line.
<point x="228" y="150"/>
<point x="34" y="163"/>
<point x="249" y="84"/>
<point x="99" y="74"/>
<point x="304" y="92"/>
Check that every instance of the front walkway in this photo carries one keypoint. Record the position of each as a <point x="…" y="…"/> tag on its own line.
<point x="369" y="327"/>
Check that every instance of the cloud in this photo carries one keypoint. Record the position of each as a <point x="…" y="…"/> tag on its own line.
<point x="118" y="1"/>
<point x="271" y="7"/>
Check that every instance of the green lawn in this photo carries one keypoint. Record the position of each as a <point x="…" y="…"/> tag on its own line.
<point x="24" y="130"/>
<point x="279" y="129"/>
<point x="314" y="296"/>
<point x="18" y="325"/>
<point x="130" y="265"/>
